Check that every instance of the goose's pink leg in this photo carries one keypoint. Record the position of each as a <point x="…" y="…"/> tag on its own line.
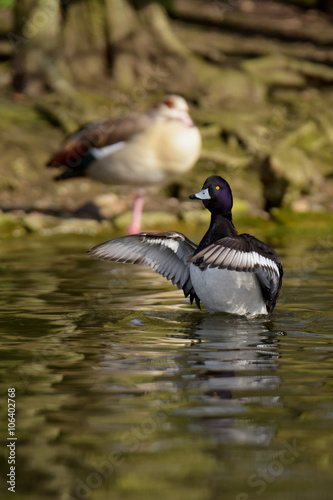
<point x="135" y="225"/>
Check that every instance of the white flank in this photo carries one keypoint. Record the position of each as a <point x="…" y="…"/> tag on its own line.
<point x="233" y="292"/>
<point x="99" y="153"/>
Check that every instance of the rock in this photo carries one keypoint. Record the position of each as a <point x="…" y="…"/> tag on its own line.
<point x="301" y="206"/>
<point x="104" y="206"/>
<point x="78" y="226"/>
<point x="37" y="222"/>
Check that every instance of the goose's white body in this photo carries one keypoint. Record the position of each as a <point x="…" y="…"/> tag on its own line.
<point x="158" y="155"/>
<point x="136" y="149"/>
<point x="229" y="291"/>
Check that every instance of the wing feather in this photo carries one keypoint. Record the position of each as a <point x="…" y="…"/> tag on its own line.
<point x="166" y="253"/>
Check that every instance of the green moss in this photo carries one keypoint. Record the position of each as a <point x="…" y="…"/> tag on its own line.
<point x="11" y="226"/>
<point x="20" y="114"/>
<point x="304" y="222"/>
<point x="7" y="4"/>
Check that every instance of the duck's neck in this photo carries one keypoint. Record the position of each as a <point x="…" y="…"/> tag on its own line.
<point x="220" y="227"/>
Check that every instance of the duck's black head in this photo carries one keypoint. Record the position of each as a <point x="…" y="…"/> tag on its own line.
<point x="216" y="195"/>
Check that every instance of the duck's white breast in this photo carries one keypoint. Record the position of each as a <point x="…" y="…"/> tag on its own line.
<point x="234" y="292"/>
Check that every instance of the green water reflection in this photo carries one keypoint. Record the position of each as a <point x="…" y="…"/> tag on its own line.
<point x="125" y="391"/>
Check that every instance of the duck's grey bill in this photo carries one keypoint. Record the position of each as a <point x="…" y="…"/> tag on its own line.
<point x="203" y="195"/>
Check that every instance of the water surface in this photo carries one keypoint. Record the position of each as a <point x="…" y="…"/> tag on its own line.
<point x="126" y="391"/>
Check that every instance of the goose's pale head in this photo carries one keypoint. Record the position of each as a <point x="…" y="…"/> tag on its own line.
<point x="173" y="107"/>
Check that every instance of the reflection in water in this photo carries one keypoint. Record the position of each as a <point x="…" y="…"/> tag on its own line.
<point x="126" y="391"/>
<point x="234" y="361"/>
<point x="231" y="346"/>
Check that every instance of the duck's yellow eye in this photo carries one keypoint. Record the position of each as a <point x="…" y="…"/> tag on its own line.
<point x="217" y="187"/>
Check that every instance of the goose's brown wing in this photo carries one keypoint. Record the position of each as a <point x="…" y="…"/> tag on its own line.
<point x="99" y="134"/>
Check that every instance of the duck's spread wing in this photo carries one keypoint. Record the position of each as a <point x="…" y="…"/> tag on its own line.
<point x="166" y="253"/>
<point x="245" y="253"/>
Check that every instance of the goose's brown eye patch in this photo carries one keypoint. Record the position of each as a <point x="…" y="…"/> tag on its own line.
<point x="169" y="102"/>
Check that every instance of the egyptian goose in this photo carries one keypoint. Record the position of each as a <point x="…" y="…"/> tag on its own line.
<point x="227" y="271"/>
<point x="136" y="149"/>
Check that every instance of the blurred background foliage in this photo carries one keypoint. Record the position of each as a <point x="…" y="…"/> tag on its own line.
<point x="257" y="74"/>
